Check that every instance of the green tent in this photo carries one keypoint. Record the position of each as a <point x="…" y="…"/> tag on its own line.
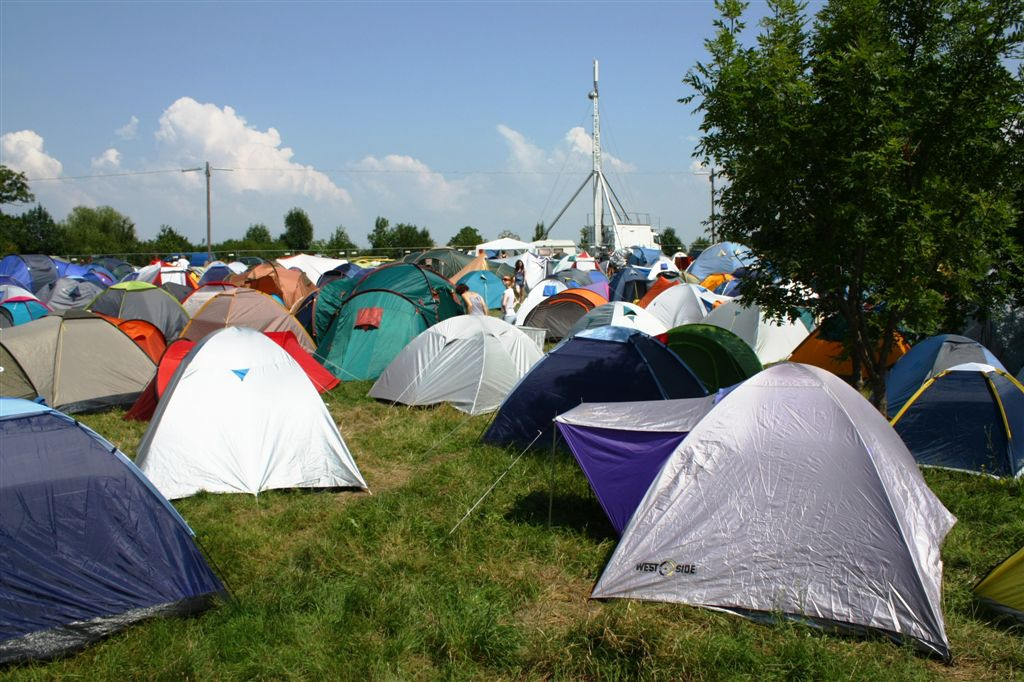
<point x="1003" y="588"/>
<point x="381" y="314"/>
<point x="716" y="355"/>
<point x="444" y="261"/>
<point x="328" y="303"/>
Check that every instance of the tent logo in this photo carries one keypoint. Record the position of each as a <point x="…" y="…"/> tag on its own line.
<point x="667" y="568"/>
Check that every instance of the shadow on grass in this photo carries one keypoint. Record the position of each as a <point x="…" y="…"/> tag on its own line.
<point x="578" y="513"/>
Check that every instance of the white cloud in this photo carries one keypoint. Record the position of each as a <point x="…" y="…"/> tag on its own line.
<point x="581" y="144"/>
<point x="525" y="155"/>
<point x="410" y="179"/>
<point x="129" y="130"/>
<point x="577" y="151"/>
<point x="192" y="133"/>
<point x="109" y="159"/>
<point x="23" y="151"/>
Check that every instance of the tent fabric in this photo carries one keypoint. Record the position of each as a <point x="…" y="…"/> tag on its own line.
<point x="1002" y="590"/>
<point x="969" y="417"/>
<point x="485" y="283"/>
<point x="90" y="547"/>
<point x="10" y="290"/>
<point x="724" y="257"/>
<point x="346" y="271"/>
<point x="655" y="287"/>
<point x="478" y="264"/>
<point x="628" y="284"/>
<point x="619" y="314"/>
<point x="772" y="341"/>
<point x="69" y="292"/>
<point x="470" y="361"/>
<point x="240" y="415"/>
<point x="560" y="312"/>
<point x="444" y="261"/>
<point x="291" y="286"/>
<point x="824" y="349"/>
<point x="679" y="305"/>
<point x="145" y="335"/>
<point x="216" y="271"/>
<point x="22" y="309"/>
<point x="32" y="271"/>
<point x="142" y="301"/>
<point x="927" y="359"/>
<point x="663" y="265"/>
<point x="75" y="361"/>
<point x="195" y="300"/>
<point x="329" y="301"/>
<point x="793" y="496"/>
<point x="244" y="307"/>
<point x="411" y="298"/>
<point x="718" y="357"/>
<point x="608" y="364"/>
<point x="1003" y="334"/>
<point x="545" y="288"/>
<point x="622" y="446"/>
<point x="313" y="266"/>
<point x="504" y="244"/>
<point x="115" y="266"/>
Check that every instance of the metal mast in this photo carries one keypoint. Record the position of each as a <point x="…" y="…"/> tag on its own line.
<point x="596" y="174"/>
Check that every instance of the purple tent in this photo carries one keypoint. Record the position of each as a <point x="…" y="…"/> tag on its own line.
<point x="621" y="447"/>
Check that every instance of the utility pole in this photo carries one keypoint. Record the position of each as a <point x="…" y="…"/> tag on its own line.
<point x="207" y="169"/>
<point x="712" y="174"/>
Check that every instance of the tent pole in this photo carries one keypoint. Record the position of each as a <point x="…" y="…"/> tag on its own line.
<point x="551" y="488"/>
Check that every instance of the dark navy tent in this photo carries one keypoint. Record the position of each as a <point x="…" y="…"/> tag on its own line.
<point x="928" y="359"/>
<point x="629" y="284"/>
<point x="968" y="417"/>
<point x="622" y="446"/>
<point x="87" y="545"/>
<point x="605" y="364"/>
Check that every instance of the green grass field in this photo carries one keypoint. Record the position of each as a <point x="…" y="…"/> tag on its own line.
<point x="346" y="585"/>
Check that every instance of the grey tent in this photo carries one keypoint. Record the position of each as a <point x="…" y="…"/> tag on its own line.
<point x="69" y="292"/>
<point x="76" y="361"/>
<point x="793" y="496"/>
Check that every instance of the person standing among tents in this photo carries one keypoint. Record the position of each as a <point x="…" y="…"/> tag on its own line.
<point x="508" y="299"/>
<point x="475" y="303"/>
<point x="520" y="280"/>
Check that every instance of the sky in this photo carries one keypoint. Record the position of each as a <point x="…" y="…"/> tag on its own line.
<point x="438" y="114"/>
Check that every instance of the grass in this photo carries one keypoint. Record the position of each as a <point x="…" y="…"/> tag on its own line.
<point x="345" y="585"/>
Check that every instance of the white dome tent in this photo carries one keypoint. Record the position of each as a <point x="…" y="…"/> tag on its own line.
<point x="772" y="341"/>
<point x="241" y="416"/>
<point x="470" y="361"/>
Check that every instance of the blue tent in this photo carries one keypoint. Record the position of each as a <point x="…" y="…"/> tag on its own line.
<point x="605" y="364"/>
<point x="638" y="255"/>
<point x="19" y="310"/>
<point x="968" y="417"/>
<point x="89" y="546"/>
<point x="217" y="271"/>
<point x="927" y="359"/>
<point x="629" y="284"/>
<point x="725" y="257"/>
<point x="31" y="271"/>
<point x="485" y="283"/>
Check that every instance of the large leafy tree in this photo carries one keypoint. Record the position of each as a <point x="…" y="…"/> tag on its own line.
<point x="259" y="235"/>
<point x="38" y="232"/>
<point x="14" y="187"/>
<point x="466" y="237"/>
<point x="340" y="241"/>
<point x="298" y="230"/>
<point x="394" y="241"/>
<point x="168" y="240"/>
<point x="103" y="230"/>
<point x="868" y="160"/>
<point x="670" y="242"/>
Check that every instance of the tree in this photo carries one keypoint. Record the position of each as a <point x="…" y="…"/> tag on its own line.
<point x="340" y="241"/>
<point x="584" y="239"/>
<point x="868" y="161"/>
<point x="37" y="232"/>
<point x="466" y="237"/>
<point x="99" y="230"/>
<point x="298" y="230"/>
<point x="258" y="234"/>
<point x="381" y="236"/>
<point x="670" y="242"/>
<point x="393" y="241"/>
<point x="14" y="187"/>
<point x="508" y="234"/>
<point x="168" y="240"/>
<point x="698" y="245"/>
<point x="538" y="231"/>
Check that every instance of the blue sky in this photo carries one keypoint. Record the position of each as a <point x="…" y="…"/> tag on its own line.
<point x="440" y="114"/>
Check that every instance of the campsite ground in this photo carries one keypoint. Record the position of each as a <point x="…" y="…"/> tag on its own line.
<point x="345" y="585"/>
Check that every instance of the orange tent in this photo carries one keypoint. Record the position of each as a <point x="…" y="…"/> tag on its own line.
<point x="144" y="334"/>
<point x="659" y="285"/>
<point x="292" y="286"/>
<point x="830" y="355"/>
<point x="557" y="314"/>
<point x="714" y="280"/>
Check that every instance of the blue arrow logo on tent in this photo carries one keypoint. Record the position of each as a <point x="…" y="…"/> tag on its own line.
<point x="240" y="372"/>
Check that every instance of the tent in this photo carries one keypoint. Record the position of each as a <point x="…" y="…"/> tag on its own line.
<point x="622" y="446"/>
<point x="503" y="244"/>
<point x="10" y="289"/>
<point x="628" y="284"/>
<point x="216" y="271"/>
<point x="194" y="301"/>
<point x="32" y="271"/>
<point x="684" y="304"/>
<point x="968" y="417"/>
<point x="89" y="546"/>
<point x="329" y="300"/>
<point x="927" y="359"/>
<point x="608" y="364"/>
<point x="792" y="497"/>
<point x="560" y="312"/>
<point x="159" y="274"/>
<point x="345" y="271"/>
<point x="619" y="314"/>
<point x="656" y="286"/>
<point x="115" y="266"/>
<point x="544" y="289"/>
<point x="724" y="257"/>
<point x="74" y="360"/>
<point x="244" y="307"/>
<point x="384" y="311"/>
<point x="470" y="361"/>
<point x="824" y="348"/>
<point x="1002" y="590"/>
<point x="664" y="266"/>
<point x="313" y="266"/>
<point x="145" y="335"/>
<point x="444" y="261"/>
<point x="142" y="301"/>
<point x="69" y="292"/>
<point x="485" y="283"/>
<point x="240" y="415"/>
<point x="21" y="309"/>
<point x="291" y="286"/>
<point x="717" y="356"/>
<point x="772" y="341"/>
